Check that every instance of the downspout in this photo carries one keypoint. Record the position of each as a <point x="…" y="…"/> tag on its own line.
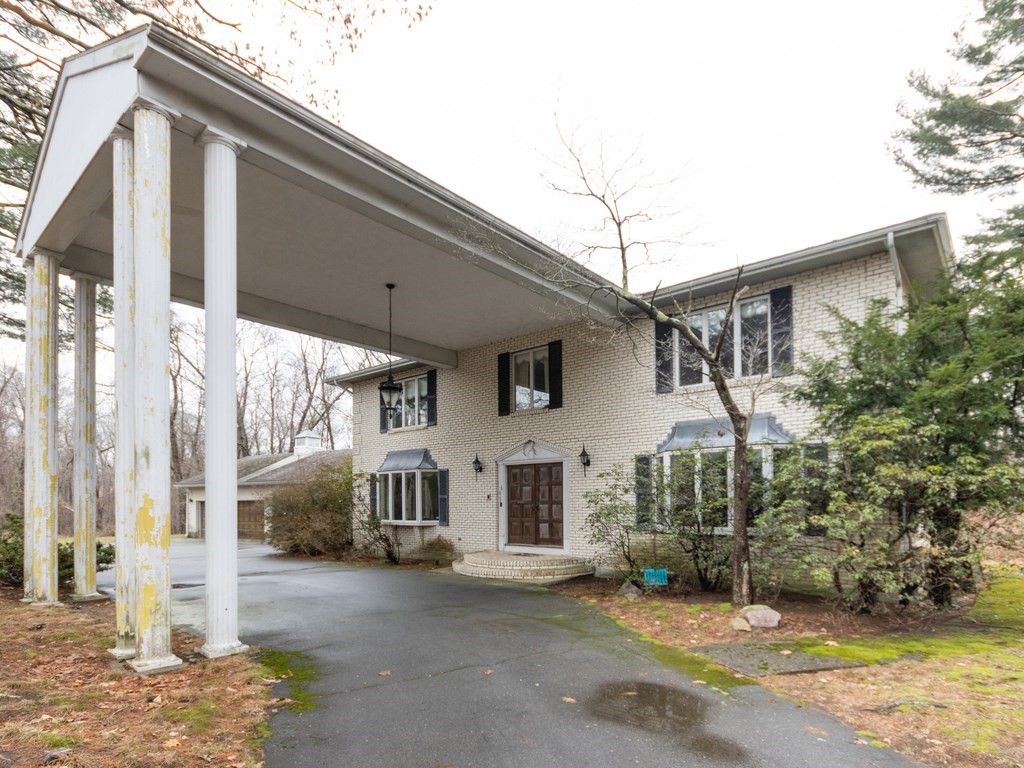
<point x="890" y="244"/>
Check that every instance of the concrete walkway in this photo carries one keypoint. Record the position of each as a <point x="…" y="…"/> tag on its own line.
<point x="426" y="669"/>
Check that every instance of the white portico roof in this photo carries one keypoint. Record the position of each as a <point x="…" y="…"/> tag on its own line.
<point x="324" y="220"/>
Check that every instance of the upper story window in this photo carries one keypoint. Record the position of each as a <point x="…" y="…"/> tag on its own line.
<point x="417" y="406"/>
<point x="756" y="341"/>
<point x="413" y="410"/>
<point x="530" y="380"/>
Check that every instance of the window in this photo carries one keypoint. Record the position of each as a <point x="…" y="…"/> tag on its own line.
<point x="692" y="471"/>
<point x="530" y="380"/>
<point x="702" y="479"/>
<point x="531" y="383"/>
<point x="750" y="356"/>
<point x="412" y="411"/>
<point x="417" y="406"/>
<point x="409" y="489"/>
<point x="756" y="341"/>
<point x="408" y="497"/>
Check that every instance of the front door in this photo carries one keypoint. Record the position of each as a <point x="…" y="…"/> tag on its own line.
<point x="535" y="504"/>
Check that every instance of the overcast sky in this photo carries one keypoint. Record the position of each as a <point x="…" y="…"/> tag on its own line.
<point x="774" y="116"/>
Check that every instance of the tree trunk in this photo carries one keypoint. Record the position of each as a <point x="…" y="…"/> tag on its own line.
<point x="742" y="580"/>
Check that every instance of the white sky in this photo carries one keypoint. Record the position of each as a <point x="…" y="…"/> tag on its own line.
<point x="775" y="116"/>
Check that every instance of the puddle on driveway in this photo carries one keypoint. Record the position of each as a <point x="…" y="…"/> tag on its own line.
<point x="662" y="710"/>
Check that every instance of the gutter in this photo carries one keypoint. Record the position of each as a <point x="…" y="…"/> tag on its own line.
<point x="890" y="245"/>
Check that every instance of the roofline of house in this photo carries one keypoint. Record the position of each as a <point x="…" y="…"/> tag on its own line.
<point x="827" y="254"/>
<point x="342" y="380"/>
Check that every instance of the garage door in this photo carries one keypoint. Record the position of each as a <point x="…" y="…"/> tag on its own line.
<point x="250" y="520"/>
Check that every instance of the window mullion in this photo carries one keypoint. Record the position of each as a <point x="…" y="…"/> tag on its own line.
<point x="417" y="480"/>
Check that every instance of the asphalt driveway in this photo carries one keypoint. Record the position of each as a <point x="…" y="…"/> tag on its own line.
<point x="425" y="669"/>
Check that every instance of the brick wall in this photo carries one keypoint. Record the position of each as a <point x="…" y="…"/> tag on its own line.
<point x="610" y="404"/>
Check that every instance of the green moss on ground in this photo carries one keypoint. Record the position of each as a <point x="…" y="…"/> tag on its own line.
<point x="299" y="670"/>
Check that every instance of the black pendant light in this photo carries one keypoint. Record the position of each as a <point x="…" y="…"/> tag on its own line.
<point x="390" y="392"/>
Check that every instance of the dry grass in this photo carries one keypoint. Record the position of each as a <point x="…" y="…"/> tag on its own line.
<point x="60" y="689"/>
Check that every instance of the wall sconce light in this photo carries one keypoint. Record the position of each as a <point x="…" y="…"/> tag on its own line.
<point x="584" y="459"/>
<point x="478" y="466"/>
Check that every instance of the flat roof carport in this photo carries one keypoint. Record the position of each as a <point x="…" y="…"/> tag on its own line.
<point x="170" y="174"/>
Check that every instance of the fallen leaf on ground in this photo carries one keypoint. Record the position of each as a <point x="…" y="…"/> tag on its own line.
<point x="171" y="743"/>
<point x="816" y="731"/>
<point x="699" y="682"/>
<point x="785" y="653"/>
<point x="568" y="699"/>
<point x="384" y="673"/>
<point x="630" y="693"/>
<point x="488" y="672"/>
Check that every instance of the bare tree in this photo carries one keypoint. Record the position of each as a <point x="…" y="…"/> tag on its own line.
<point x="613" y="188"/>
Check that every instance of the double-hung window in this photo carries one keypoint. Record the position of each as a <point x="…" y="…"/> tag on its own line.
<point x="412" y="410"/>
<point x="755" y="340"/>
<point x="417" y="406"/>
<point x="530" y="380"/>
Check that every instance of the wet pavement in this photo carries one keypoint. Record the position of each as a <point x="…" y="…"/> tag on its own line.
<point x="427" y="669"/>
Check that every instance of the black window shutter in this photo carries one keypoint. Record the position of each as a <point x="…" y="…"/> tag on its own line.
<point x="442" y="497"/>
<point x="662" y="357"/>
<point x="373" y="494"/>
<point x="555" y="374"/>
<point x="431" y="398"/>
<point x="384" y="416"/>
<point x="782" y="330"/>
<point x="504" y="384"/>
<point x="644" y="492"/>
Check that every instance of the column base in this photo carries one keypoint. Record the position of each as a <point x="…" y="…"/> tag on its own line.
<point x="155" y="666"/>
<point x="90" y="597"/>
<point x="217" y="651"/>
<point x="122" y="654"/>
<point x="45" y="603"/>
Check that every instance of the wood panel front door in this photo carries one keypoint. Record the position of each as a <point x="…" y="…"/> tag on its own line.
<point x="535" y="504"/>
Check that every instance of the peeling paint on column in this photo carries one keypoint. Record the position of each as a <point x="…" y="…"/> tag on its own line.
<point x="151" y="325"/>
<point x="85" y="441"/>
<point x="41" y="430"/>
<point x="124" y="401"/>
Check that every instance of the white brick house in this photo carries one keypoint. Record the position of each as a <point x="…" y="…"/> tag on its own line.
<point x="579" y="384"/>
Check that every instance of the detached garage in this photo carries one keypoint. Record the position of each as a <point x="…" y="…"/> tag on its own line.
<point x="258" y="477"/>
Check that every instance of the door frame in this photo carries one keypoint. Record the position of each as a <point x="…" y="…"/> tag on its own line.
<point x="532" y="452"/>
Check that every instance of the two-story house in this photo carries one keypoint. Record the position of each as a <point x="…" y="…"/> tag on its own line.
<point x="497" y="452"/>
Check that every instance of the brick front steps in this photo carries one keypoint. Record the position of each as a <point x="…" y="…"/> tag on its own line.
<point x="529" y="568"/>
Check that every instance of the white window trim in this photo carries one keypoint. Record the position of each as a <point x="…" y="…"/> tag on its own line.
<point x="512" y="373"/>
<point x="419" y="521"/>
<point x="737" y="350"/>
<point x="409" y="427"/>
<point x="767" y="451"/>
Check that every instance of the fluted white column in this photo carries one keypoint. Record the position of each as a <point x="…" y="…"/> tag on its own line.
<point x="220" y="286"/>
<point x="152" y="245"/>
<point x="85" y="441"/>
<point x="124" y="396"/>
<point x="41" y="429"/>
